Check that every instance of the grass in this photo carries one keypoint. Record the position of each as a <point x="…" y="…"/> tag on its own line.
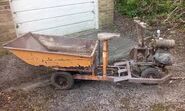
<point x="153" y="11"/>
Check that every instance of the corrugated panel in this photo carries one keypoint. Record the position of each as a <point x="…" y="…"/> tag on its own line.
<point x="54" y="17"/>
<point x="25" y="5"/>
<point x="67" y="29"/>
<point x="56" y="22"/>
<point x="34" y="15"/>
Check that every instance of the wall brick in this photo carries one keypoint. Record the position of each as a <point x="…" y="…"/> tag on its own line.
<point x="106" y="12"/>
<point x="7" y="31"/>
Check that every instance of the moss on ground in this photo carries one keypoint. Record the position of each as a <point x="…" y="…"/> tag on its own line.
<point x="3" y="52"/>
<point x="159" y="107"/>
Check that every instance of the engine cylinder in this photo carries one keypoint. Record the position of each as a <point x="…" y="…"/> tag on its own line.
<point x="164" y="43"/>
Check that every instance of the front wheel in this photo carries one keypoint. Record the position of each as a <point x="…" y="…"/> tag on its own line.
<point x="62" y="80"/>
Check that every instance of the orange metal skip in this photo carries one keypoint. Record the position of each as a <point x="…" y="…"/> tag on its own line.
<point x="30" y="50"/>
<point x="52" y="60"/>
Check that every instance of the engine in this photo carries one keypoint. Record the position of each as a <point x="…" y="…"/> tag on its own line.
<point x="162" y="53"/>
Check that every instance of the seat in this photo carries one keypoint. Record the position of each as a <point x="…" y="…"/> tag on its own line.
<point x="107" y="36"/>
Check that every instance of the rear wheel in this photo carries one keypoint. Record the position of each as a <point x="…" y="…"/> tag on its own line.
<point x="152" y="73"/>
<point x="62" y="80"/>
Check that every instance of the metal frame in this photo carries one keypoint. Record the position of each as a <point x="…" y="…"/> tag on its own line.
<point x="124" y="78"/>
<point x="127" y="77"/>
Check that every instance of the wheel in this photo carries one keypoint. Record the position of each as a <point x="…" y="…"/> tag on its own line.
<point x="151" y="73"/>
<point x="62" y="80"/>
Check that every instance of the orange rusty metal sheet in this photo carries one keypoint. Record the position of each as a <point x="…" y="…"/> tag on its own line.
<point x="71" y="52"/>
<point x="52" y="60"/>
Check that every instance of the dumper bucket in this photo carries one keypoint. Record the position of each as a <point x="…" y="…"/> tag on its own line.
<point x="54" y="51"/>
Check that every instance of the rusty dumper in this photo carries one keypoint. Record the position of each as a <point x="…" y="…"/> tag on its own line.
<point x="74" y="58"/>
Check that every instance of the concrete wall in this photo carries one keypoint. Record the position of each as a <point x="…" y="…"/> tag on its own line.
<point x="7" y="31"/>
<point x="106" y="12"/>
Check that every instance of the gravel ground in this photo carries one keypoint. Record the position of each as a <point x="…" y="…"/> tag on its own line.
<point x="87" y="95"/>
<point x="91" y="95"/>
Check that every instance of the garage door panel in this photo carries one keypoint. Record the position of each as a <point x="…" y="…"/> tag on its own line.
<point x="22" y="5"/>
<point x="35" y="15"/>
<point x="55" y="22"/>
<point x="67" y="29"/>
<point x="54" y="16"/>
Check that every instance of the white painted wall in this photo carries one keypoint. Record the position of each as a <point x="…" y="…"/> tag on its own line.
<point x="54" y="17"/>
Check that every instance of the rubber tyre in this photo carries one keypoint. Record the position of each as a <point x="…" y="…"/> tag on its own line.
<point x="151" y="73"/>
<point x="62" y="80"/>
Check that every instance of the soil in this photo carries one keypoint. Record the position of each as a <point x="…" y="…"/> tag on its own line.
<point x="93" y="95"/>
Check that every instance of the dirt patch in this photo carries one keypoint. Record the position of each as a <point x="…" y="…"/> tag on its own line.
<point x="14" y="72"/>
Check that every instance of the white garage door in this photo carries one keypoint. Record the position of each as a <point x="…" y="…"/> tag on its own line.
<point x="54" y="17"/>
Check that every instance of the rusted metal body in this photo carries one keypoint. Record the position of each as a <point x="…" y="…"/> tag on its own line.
<point x="32" y="52"/>
<point x="105" y="57"/>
